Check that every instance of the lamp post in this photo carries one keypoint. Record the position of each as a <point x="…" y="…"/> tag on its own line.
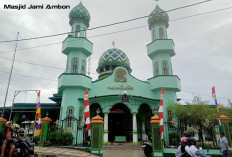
<point x="155" y="111"/>
<point x="125" y="97"/>
<point x="98" y="111"/>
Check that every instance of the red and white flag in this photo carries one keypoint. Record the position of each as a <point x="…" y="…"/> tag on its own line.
<point x="161" y="114"/>
<point x="87" y="113"/>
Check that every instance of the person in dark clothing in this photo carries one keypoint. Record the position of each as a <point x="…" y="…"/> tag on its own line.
<point x="3" y="134"/>
<point x="6" y="130"/>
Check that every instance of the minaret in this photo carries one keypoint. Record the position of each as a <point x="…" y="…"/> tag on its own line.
<point x="76" y="46"/>
<point x="73" y="83"/>
<point x="160" y="54"/>
<point x="160" y="51"/>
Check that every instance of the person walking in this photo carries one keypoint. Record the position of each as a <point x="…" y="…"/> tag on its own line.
<point x="224" y="148"/>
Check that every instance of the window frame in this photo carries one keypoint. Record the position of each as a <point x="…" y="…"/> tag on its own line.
<point x="83" y="62"/>
<point x="161" y="33"/>
<point x="76" y="69"/>
<point x="68" y="122"/>
<point x="156" y="68"/>
<point x="165" y="68"/>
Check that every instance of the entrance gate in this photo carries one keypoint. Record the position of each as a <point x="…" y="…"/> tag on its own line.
<point x="77" y="128"/>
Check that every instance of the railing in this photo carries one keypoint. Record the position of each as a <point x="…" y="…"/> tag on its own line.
<point x="206" y="138"/>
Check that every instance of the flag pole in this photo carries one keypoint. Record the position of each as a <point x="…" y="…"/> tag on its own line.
<point x="161" y="115"/>
<point x="11" y="70"/>
<point x="215" y="100"/>
<point x="38" y="92"/>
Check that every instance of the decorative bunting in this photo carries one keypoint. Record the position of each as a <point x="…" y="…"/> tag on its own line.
<point x="161" y="114"/>
<point x="38" y="113"/>
<point x="87" y="113"/>
<point x="215" y="100"/>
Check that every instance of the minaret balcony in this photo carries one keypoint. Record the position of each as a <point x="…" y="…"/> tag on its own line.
<point x="82" y="44"/>
<point x="165" y="81"/>
<point x="73" y="80"/>
<point x="161" y="46"/>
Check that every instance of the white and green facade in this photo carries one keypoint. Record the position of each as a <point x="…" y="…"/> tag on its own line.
<point x="127" y="119"/>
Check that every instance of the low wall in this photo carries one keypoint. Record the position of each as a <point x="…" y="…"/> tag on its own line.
<point x="170" y="152"/>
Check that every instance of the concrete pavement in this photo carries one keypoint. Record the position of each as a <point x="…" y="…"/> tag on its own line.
<point x="66" y="152"/>
<point x="61" y="152"/>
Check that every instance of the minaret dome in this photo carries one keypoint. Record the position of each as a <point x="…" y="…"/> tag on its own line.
<point x="157" y="17"/>
<point x="79" y="14"/>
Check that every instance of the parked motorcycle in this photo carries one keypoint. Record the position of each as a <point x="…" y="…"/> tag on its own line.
<point x="147" y="148"/>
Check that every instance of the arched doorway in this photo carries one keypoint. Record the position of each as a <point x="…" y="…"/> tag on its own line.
<point x="120" y="122"/>
<point x="93" y="110"/>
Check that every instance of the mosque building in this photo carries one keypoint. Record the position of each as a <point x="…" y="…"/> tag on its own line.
<point x="131" y="118"/>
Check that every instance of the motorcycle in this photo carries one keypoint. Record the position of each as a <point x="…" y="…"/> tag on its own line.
<point x="25" y="149"/>
<point x="147" y="148"/>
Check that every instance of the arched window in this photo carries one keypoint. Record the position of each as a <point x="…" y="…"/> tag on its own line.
<point x="84" y="32"/>
<point x="161" y="33"/>
<point x="70" y="113"/>
<point x="156" y="69"/>
<point x="78" y="31"/>
<point x="67" y="65"/>
<point x="171" y="68"/>
<point x="165" y="68"/>
<point x="81" y="113"/>
<point x="61" y="112"/>
<point x="154" y="35"/>
<point x="83" y="66"/>
<point x="75" y="65"/>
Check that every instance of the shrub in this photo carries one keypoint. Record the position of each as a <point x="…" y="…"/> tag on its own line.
<point x="174" y="138"/>
<point x="57" y="139"/>
<point x="36" y="139"/>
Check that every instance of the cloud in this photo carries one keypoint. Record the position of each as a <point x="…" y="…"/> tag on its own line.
<point x="203" y="48"/>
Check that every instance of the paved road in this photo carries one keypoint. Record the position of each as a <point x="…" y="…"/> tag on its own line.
<point x="123" y="153"/>
<point x="61" y="152"/>
<point x="64" y="152"/>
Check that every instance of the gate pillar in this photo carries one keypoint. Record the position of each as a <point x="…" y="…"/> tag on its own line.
<point x="2" y="122"/>
<point x="226" y="128"/>
<point x="157" y="142"/>
<point x="44" y="130"/>
<point x="97" y="135"/>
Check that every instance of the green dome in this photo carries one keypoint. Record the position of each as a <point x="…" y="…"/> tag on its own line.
<point x="79" y="14"/>
<point x="158" y="16"/>
<point x="111" y="59"/>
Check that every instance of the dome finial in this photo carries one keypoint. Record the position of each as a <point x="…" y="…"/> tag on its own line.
<point x="113" y="43"/>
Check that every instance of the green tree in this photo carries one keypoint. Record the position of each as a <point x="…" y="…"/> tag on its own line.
<point x="199" y="115"/>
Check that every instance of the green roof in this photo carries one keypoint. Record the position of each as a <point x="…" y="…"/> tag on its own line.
<point x="32" y="106"/>
<point x="113" y="57"/>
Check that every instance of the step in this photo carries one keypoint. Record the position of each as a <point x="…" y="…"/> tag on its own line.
<point x="118" y="146"/>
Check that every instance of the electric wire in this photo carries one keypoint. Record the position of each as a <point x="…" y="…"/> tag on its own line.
<point x="42" y="65"/>
<point x="29" y="76"/>
<point x="108" y="25"/>
<point x="203" y="94"/>
<point x="125" y="30"/>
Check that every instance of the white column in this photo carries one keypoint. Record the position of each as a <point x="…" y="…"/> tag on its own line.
<point x="135" y="132"/>
<point x="144" y="136"/>
<point x="105" y="137"/>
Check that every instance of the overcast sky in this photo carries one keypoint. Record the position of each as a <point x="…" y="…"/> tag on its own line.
<point x="203" y="44"/>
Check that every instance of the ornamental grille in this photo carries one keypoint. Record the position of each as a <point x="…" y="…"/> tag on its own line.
<point x="95" y="138"/>
<point x="226" y="128"/>
<point x="157" y="140"/>
<point x="42" y="134"/>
